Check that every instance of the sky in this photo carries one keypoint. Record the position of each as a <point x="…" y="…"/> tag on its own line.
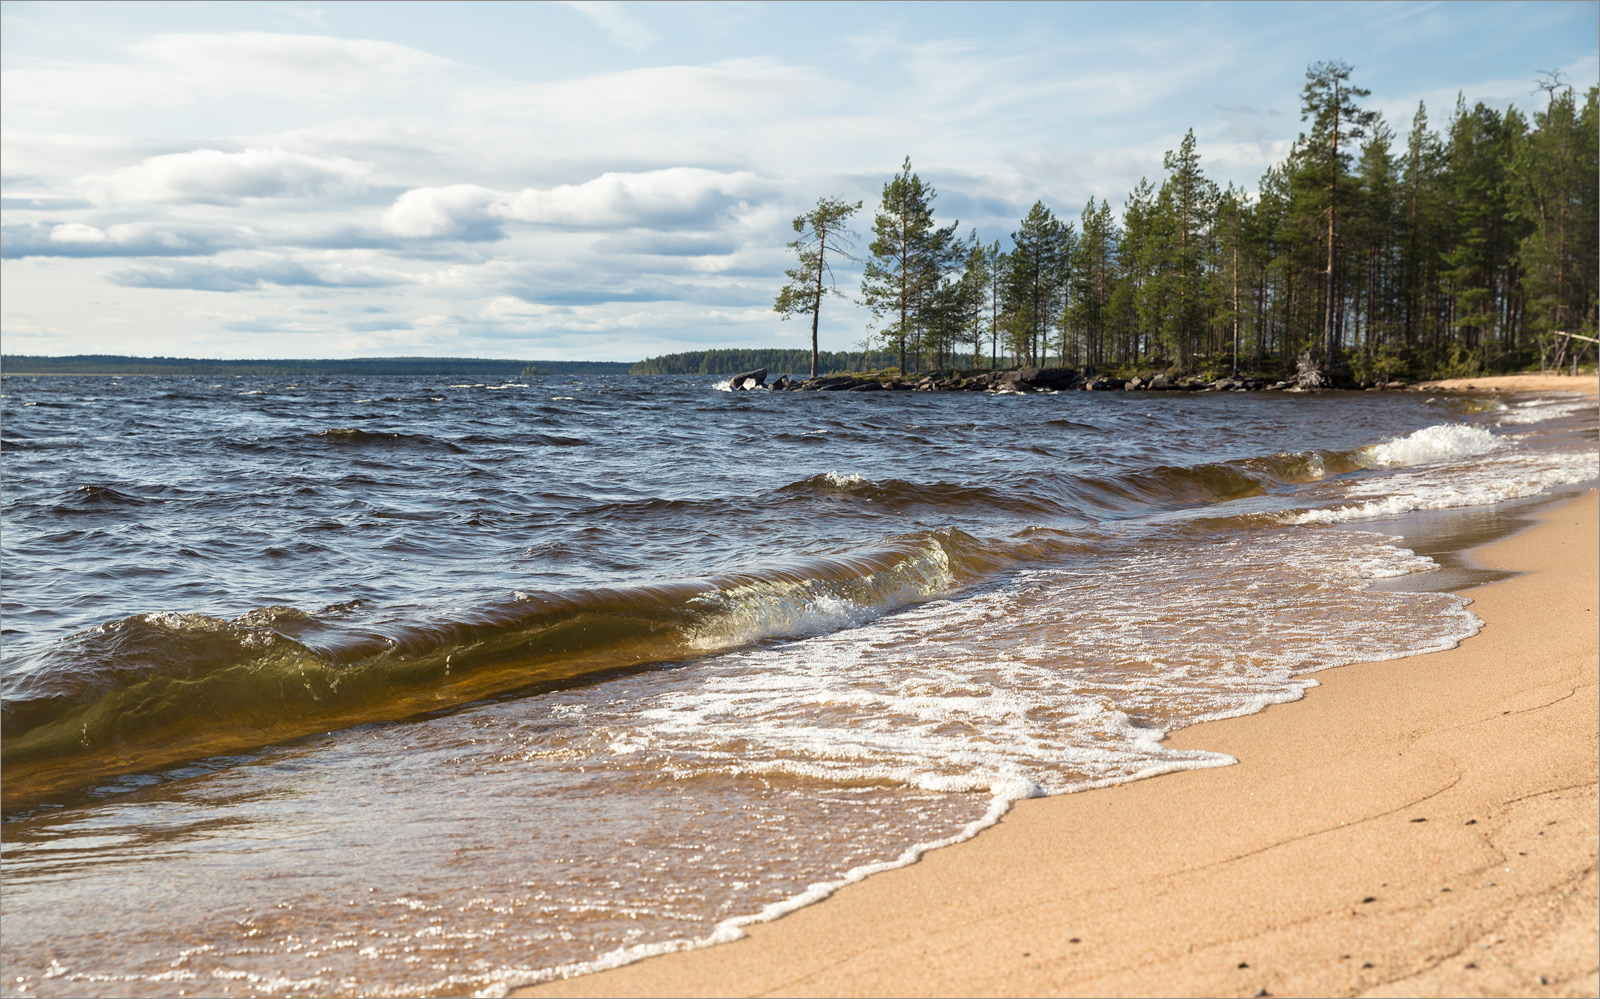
<point x="609" y="181"/>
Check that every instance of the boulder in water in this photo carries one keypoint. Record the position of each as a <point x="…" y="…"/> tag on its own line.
<point x="748" y="380"/>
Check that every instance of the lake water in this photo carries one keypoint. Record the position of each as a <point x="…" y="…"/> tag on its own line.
<point x="394" y="686"/>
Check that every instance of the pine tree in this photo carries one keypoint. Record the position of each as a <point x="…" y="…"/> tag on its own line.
<point x="821" y="236"/>
<point x="1187" y="200"/>
<point x="1039" y="267"/>
<point x="1552" y="188"/>
<point x="1093" y="279"/>
<point x="909" y="255"/>
<point x="1328" y="102"/>
<point x="996" y="264"/>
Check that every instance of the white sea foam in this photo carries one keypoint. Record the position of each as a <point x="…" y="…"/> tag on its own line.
<point x="1059" y="680"/>
<point x="1443" y="442"/>
<point x="1493" y="479"/>
<point x="1542" y="410"/>
<point x="845" y="481"/>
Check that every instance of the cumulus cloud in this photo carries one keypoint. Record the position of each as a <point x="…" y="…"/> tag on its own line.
<point x="671" y="198"/>
<point x="211" y="176"/>
<point x="128" y="239"/>
<point x="659" y="198"/>
<point x="458" y="211"/>
<point x="221" y="277"/>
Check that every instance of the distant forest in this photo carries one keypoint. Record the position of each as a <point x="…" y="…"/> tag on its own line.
<point x="777" y="361"/>
<point x="466" y="367"/>
<point x="1365" y="254"/>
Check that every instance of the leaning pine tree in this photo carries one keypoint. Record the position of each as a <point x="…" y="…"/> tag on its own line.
<point x="822" y="234"/>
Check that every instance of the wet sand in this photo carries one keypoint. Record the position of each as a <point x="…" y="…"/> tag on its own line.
<point x="1425" y="826"/>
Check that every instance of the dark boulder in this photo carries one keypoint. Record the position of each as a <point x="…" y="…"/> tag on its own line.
<point x="1050" y="378"/>
<point x="830" y="384"/>
<point x="748" y="380"/>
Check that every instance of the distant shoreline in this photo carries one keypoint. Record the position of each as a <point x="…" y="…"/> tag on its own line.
<point x="466" y="367"/>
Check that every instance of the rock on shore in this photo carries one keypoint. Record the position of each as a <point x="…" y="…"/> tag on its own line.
<point x="1021" y="380"/>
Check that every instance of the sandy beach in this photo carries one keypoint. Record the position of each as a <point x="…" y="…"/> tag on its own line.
<point x="1424" y="826"/>
<point x="1588" y="384"/>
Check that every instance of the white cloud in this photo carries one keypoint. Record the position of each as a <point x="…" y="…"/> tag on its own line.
<point x="77" y="232"/>
<point x="458" y="211"/>
<point x="658" y="198"/>
<point x="179" y="69"/>
<point x="586" y="190"/>
<point x="210" y="176"/>
<point x="680" y="196"/>
<point x="615" y="22"/>
<point x="154" y="238"/>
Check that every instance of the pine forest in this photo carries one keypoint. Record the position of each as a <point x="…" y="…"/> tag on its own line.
<point x="1367" y="254"/>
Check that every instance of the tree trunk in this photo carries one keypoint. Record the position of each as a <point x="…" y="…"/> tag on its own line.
<point x="816" y="305"/>
<point x="1236" y="306"/>
<point x="1333" y="186"/>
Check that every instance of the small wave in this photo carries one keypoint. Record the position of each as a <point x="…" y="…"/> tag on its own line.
<point x="1215" y="482"/>
<point x="1072" y="425"/>
<point x="356" y="437"/>
<point x="162" y="688"/>
<point x="903" y="494"/>
<point x="93" y="496"/>
<point x="1441" y="442"/>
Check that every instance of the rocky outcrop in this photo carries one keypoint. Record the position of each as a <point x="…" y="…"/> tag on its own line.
<point x="1042" y="380"/>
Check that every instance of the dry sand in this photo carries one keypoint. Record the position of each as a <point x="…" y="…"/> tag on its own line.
<point x="1426" y="826"/>
<point x="1588" y="384"/>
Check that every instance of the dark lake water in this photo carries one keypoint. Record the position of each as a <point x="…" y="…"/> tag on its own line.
<point x="399" y="686"/>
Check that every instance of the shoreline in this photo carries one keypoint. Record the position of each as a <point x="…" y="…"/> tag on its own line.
<point x="1444" y="844"/>
<point x="1584" y="384"/>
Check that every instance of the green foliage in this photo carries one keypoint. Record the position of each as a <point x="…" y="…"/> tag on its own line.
<point x="909" y="257"/>
<point x="1382" y="364"/>
<point x="822" y="237"/>
<point x="1036" y="283"/>
<point x="1459" y="361"/>
<point x="777" y="361"/>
